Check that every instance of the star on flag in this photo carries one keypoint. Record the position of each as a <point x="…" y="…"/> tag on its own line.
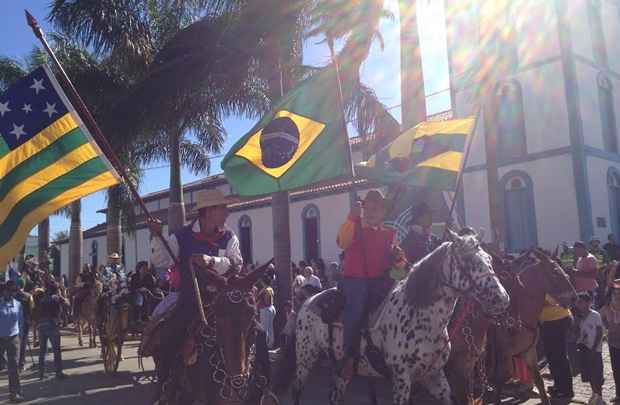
<point x="4" y="108"/>
<point x="37" y="85"/>
<point x="27" y="108"/>
<point x="18" y="130"/>
<point x="50" y="108"/>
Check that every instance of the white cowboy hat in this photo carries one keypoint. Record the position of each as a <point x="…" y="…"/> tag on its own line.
<point x="211" y="198"/>
<point x="114" y="256"/>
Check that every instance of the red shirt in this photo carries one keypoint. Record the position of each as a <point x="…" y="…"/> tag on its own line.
<point x="367" y="250"/>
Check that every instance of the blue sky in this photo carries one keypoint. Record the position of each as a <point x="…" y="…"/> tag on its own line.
<point x="381" y="71"/>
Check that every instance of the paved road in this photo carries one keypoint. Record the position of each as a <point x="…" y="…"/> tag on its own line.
<point x="88" y="384"/>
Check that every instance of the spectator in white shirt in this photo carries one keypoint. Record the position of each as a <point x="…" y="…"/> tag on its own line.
<point x="311" y="279"/>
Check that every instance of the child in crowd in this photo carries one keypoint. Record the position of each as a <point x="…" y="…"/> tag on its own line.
<point x="611" y="319"/>
<point x="590" y="347"/>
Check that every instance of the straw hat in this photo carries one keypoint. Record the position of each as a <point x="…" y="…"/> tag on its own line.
<point x="211" y="198"/>
<point x="114" y="256"/>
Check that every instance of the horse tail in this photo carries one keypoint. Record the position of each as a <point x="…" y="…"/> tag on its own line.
<point x="285" y="367"/>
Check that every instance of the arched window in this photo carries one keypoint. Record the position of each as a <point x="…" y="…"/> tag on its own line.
<point x="510" y="122"/>
<point x="608" y="114"/>
<point x="94" y="261"/>
<point x="519" y="211"/>
<point x="596" y="32"/>
<point x="613" y="190"/>
<point x="245" y="238"/>
<point x="310" y="218"/>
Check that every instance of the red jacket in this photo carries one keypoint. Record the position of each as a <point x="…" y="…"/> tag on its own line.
<point x="373" y="248"/>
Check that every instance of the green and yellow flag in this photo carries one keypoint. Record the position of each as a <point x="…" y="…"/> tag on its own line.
<point x="299" y="142"/>
<point x="47" y="158"/>
<point x="427" y="155"/>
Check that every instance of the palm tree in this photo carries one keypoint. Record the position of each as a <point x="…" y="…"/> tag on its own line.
<point x="238" y="57"/>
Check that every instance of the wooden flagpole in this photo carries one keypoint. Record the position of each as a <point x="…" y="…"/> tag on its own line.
<point x="105" y="146"/>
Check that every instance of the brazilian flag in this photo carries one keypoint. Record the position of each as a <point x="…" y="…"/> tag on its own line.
<point x="300" y="142"/>
<point x="427" y="155"/>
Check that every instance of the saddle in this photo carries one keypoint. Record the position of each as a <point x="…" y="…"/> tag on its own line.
<point x="329" y="304"/>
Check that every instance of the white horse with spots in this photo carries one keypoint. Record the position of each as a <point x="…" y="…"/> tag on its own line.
<point x="410" y="328"/>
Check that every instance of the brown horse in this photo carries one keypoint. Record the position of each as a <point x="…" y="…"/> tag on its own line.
<point x="87" y="315"/>
<point x="528" y="279"/>
<point x="218" y="363"/>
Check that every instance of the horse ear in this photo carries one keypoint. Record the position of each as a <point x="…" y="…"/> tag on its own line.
<point x="451" y="235"/>
<point x="541" y="255"/>
<point x="251" y="279"/>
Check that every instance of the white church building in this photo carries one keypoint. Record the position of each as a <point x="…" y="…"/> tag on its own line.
<point x="557" y="141"/>
<point x="558" y="147"/>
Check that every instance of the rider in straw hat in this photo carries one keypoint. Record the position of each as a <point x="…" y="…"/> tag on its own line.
<point x="205" y="241"/>
<point x="216" y="245"/>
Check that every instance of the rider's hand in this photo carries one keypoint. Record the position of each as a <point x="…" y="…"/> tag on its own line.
<point x="356" y="210"/>
<point x="203" y="261"/>
<point x="155" y="226"/>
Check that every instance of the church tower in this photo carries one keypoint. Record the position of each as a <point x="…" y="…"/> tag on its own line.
<point x="556" y="106"/>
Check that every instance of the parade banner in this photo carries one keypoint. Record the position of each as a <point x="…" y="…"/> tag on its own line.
<point x="48" y="158"/>
<point x="427" y="155"/>
<point x="299" y="142"/>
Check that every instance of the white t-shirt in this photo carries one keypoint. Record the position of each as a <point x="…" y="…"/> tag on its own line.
<point x="267" y="315"/>
<point x="313" y="281"/>
<point x="588" y="328"/>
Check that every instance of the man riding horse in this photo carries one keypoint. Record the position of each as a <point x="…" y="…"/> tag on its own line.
<point x="420" y="241"/>
<point x="368" y="249"/>
<point x="207" y="242"/>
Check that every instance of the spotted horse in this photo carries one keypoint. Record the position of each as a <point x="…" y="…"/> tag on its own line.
<point x="409" y="328"/>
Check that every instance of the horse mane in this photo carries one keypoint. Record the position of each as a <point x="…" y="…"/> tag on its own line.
<point x="425" y="279"/>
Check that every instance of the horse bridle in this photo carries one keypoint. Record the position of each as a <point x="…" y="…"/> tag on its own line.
<point x="469" y="278"/>
<point x="232" y="387"/>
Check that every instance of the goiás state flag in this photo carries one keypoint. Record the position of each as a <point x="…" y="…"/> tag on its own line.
<point x="300" y="142"/>
<point x="427" y="155"/>
<point x="48" y="159"/>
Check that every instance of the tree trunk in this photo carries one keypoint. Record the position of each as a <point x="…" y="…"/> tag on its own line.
<point x="281" y="251"/>
<point x="75" y="240"/>
<point x="113" y="220"/>
<point x="176" y="209"/>
<point x="43" y="239"/>
<point x="413" y="98"/>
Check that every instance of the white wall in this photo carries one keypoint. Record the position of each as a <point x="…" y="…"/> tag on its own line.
<point x="611" y="30"/>
<point x="262" y="231"/>
<point x="555" y="200"/>
<point x="579" y="26"/>
<point x="544" y="105"/>
<point x="535" y="27"/>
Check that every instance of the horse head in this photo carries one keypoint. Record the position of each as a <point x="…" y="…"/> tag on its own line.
<point x="470" y="272"/>
<point x="235" y="319"/>
<point x="550" y="277"/>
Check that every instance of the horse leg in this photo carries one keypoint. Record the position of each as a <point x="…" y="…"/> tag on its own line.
<point x="401" y="386"/>
<point x="438" y="386"/>
<point x="372" y="392"/>
<point x="79" y="332"/>
<point x="498" y="393"/>
<point x="532" y="365"/>
<point x="336" y="396"/>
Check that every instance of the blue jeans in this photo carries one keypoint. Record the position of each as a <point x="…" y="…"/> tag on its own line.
<point x="357" y="292"/>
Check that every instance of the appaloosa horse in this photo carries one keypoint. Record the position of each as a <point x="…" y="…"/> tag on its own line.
<point x="87" y="314"/>
<point x="514" y="333"/>
<point x="221" y="363"/>
<point x="410" y="329"/>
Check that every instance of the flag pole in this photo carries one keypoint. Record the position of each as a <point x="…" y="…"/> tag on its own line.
<point x="459" y="179"/>
<point x="107" y="149"/>
<point x="353" y="192"/>
<point x="90" y="121"/>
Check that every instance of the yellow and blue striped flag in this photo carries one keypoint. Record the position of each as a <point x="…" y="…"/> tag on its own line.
<point x="427" y="155"/>
<point x="48" y="159"/>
